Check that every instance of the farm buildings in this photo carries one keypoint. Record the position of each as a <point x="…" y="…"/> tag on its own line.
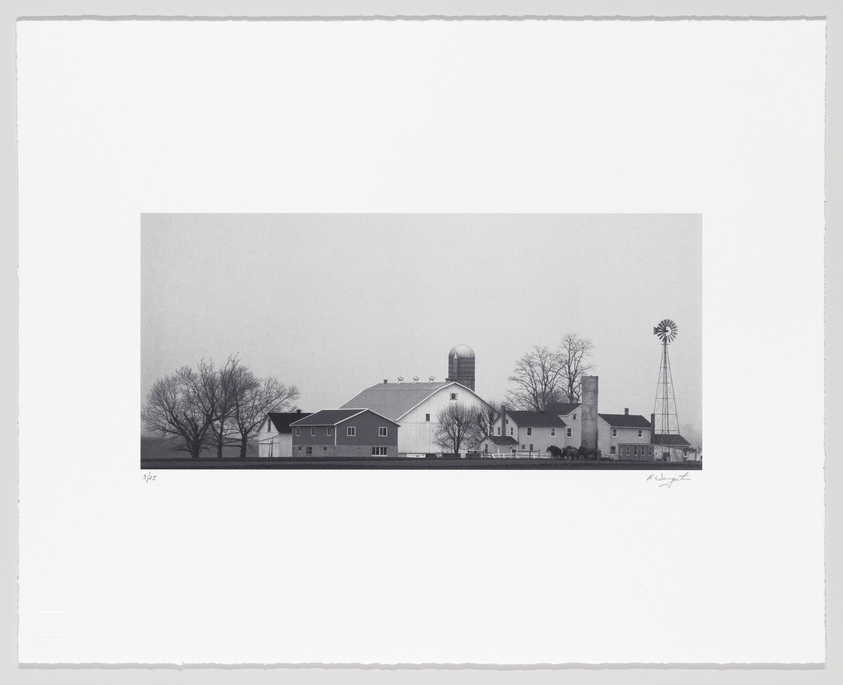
<point x="400" y="419"/>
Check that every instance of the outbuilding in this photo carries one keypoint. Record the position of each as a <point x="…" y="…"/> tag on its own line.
<point x="275" y="437"/>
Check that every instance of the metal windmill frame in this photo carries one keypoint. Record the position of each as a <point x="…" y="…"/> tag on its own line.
<point x="667" y="417"/>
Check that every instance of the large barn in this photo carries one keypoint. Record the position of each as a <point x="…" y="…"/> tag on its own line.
<point x="414" y="406"/>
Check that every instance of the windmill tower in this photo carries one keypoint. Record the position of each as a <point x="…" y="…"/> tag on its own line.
<point x="666" y="418"/>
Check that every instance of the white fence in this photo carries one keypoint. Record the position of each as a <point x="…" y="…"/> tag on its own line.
<point x="517" y="454"/>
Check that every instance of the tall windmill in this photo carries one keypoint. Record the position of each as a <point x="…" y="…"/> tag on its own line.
<point x="667" y="419"/>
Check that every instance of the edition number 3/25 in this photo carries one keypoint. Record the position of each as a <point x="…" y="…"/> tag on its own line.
<point x="149" y="476"/>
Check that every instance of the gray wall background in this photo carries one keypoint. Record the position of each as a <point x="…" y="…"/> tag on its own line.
<point x="12" y="9"/>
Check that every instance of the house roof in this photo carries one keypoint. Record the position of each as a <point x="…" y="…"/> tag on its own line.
<point x="393" y="400"/>
<point x="671" y="440"/>
<point x="282" y="420"/>
<point x="625" y="420"/>
<point x="536" y="418"/>
<point x="562" y="407"/>
<point x="332" y="417"/>
<point x="503" y="440"/>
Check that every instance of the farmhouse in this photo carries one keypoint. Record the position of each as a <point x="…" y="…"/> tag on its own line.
<point x="275" y="437"/>
<point x="571" y="414"/>
<point x="526" y="431"/>
<point x="345" y="433"/>
<point x="415" y="406"/>
<point x="625" y="436"/>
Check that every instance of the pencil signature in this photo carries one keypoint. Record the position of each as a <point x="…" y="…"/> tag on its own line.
<point x="668" y="481"/>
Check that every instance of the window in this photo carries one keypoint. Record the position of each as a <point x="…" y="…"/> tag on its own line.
<point x="522" y="447"/>
<point x="299" y="445"/>
<point x="351" y="431"/>
<point x="309" y="450"/>
<point x="575" y="416"/>
<point x="499" y="430"/>
<point x="510" y="430"/>
<point x="635" y="450"/>
<point x="651" y="450"/>
<point x="427" y="417"/>
<point x="382" y="431"/>
<point x="531" y="446"/>
<point x="312" y="432"/>
<point x="453" y="395"/>
<point x="627" y="450"/>
<point x="612" y="450"/>
<point x="640" y="433"/>
<point x="486" y="448"/>
<point x="552" y="432"/>
<point x="379" y="451"/>
<point x="529" y="431"/>
<point x="569" y="432"/>
<point x="298" y="432"/>
<point x="614" y="432"/>
<point x="324" y="449"/>
<point x="330" y="431"/>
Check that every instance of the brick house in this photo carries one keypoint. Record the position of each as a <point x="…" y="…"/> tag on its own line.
<point x="345" y="433"/>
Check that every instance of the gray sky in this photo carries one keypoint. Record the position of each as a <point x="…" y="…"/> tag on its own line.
<point x="335" y="303"/>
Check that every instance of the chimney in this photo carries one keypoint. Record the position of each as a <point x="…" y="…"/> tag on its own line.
<point x="589" y="412"/>
<point x="653" y="422"/>
<point x="298" y="411"/>
<point x="385" y="380"/>
<point x="626" y="411"/>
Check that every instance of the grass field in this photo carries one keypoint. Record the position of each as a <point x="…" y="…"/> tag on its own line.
<point x="163" y="449"/>
<point x="416" y="464"/>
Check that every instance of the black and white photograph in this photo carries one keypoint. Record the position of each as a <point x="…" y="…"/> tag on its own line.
<point x="421" y="341"/>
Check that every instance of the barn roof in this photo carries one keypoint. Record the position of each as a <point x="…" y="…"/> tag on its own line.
<point x="332" y="417"/>
<point x="282" y="420"/>
<point x="536" y="418"/>
<point x="393" y="400"/>
<point x="671" y="440"/>
<point x="625" y="420"/>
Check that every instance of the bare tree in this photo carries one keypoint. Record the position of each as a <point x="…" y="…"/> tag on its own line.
<point x="223" y="393"/>
<point x="538" y="380"/>
<point x="573" y="361"/>
<point x="458" y="425"/>
<point x="177" y="410"/>
<point x="253" y="399"/>
<point x="486" y="418"/>
<point x="206" y="406"/>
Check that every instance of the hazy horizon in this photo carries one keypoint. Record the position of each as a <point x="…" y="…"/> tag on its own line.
<point x="337" y="303"/>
